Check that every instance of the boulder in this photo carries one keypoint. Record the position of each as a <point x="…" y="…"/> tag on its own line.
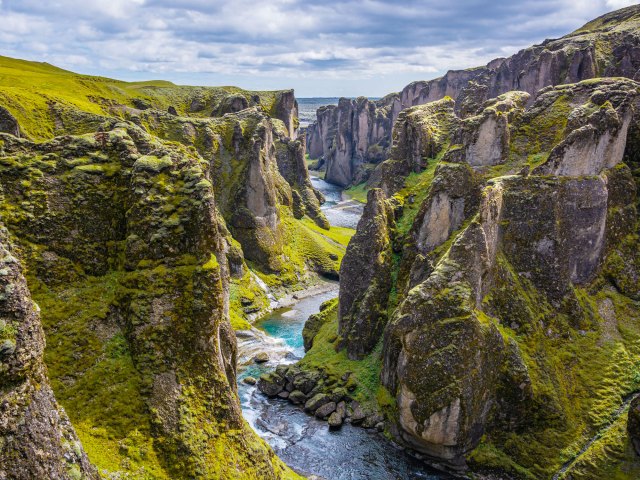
<point x="305" y="381"/>
<point x="335" y="420"/>
<point x="261" y="357"/>
<point x="357" y="413"/>
<point x="271" y="384"/>
<point x="297" y="397"/>
<point x="325" y="410"/>
<point x="316" y="402"/>
<point x="249" y="380"/>
<point x="283" y="394"/>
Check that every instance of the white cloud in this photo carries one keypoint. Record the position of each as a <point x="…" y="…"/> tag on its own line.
<point x="372" y="45"/>
<point x="615" y="4"/>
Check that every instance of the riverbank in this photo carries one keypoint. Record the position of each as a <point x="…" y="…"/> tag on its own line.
<point x="304" y="442"/>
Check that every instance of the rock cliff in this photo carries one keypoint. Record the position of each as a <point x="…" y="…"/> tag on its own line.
<point x="38" y="440"/>
<point x="356" y="135"/>
<point x="515" y="276"/>
<point x="133" y="226"/>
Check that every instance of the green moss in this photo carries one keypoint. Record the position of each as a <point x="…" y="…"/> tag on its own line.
<point x="363" y="376"/>
<point x="579" y="378"/>
<point x="107" y="169"/>
<point x="416" y="186"/>
<point x="85" y="348"/>
<point x="490" y="458"/>
<point x="358" y="192"/>
<point x="212" y="263"/>
<point x="340" y="235"/>
<point x="245" y="295"/>
<point x="611" y="456"/>
<point x="534" y="139"/>
<point x="153" y="164"/>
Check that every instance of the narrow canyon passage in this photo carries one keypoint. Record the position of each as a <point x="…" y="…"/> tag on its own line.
<point x="303" y="442"/>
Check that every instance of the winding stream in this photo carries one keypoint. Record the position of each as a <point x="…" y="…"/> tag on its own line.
<point x="303" y="442"/>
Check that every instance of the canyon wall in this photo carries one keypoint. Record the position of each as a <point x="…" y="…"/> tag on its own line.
<point x="353" y="137"/>
<point x="516" y="273"/>
<point x="134" y="220"/>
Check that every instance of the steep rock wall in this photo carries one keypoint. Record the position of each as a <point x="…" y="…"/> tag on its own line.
<point x="606" y="47"/>
<point x="516" y="248"/>
<point x="123" y="205"/>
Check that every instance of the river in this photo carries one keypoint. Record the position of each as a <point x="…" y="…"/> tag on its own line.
<point x="303" y="442"/>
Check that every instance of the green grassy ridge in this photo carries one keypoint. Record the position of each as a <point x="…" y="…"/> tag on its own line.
<point x="30" y="89"/>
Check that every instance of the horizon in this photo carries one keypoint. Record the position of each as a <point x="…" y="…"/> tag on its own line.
<point x="344" y="48"/>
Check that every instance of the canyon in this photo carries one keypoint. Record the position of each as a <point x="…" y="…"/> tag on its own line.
<point x="487" y="319"/>
<point x="355" y="136"/>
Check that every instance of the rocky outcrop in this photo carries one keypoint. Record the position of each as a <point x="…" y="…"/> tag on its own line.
<point x="351" y="135"/>
<point x="124" y="205"/>
<point x="285" y="109"/>
<point x="523" y="227"/>
<point x="8" y="123"/>
<point x="422" y="133"/>
<point x="365" y="278"/>
<point x="38" y="440"/>
<point x="317" y="395"/>
<point x="606" y="47"/>
<point x="255" y="169"/>
<point x="290" y="157"/>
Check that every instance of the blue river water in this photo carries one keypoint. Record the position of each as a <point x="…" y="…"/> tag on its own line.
<point x="303" y="442"/>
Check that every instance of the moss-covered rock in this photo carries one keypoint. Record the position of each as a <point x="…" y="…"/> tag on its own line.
<point x="365" y="277"/>
<point x="38" y="440"/>
<point x="513" y="323"/>
<point x="142" y="227"/>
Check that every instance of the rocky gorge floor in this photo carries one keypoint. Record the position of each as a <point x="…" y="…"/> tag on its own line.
<point x="301" y="440"/>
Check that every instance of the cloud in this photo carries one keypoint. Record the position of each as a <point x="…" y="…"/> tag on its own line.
<point x="615" y="4"/>
<point x="364" y="46"/>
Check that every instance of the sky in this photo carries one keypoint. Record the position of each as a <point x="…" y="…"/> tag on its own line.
<point x="318" y="47"/>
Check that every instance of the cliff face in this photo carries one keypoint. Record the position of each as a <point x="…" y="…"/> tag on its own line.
<point x="38" y="439"/>
<point x="366" y="278"/>
<point x="135" y="216"/>
<point x="133" y="229"/>
<point x="351" y="135"/>
<point x="606" y="47"/>
<point x="510" y="287"/>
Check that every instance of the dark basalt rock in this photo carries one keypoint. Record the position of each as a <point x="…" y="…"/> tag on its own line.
<point x="271" y="384"/>
<point x="633" y="424"/>
<point x="317" y="401"/>
<point x="8" y="123"/>
<point x="325" y="410"/>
